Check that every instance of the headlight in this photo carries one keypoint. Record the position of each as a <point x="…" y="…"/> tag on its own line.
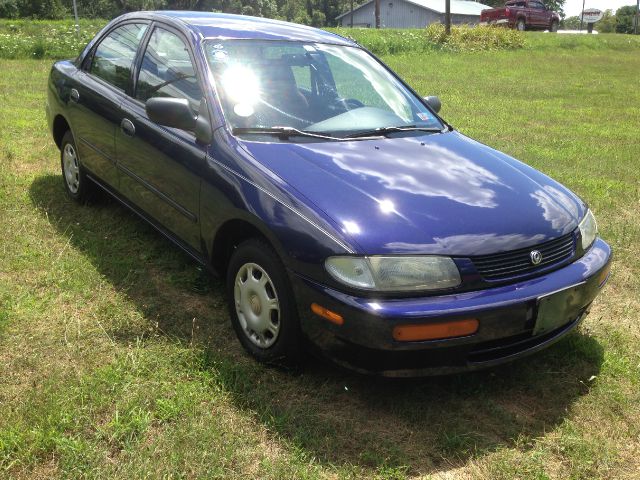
<point x="394" y="273"/>
<point x="588" y="229"/>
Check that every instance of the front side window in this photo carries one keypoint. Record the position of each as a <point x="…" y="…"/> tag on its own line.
<point x="167" y="70"/>
<point x="329" y="89"/>
<point x="113" y="57"/>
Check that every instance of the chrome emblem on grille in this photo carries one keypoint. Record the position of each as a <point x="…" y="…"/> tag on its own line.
<point x="536" y="257"/>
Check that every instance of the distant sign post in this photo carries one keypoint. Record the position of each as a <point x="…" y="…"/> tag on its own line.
<point x="591" y="16"/>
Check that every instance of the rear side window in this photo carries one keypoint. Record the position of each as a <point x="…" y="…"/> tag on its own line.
<point x="167" y="70"/>
<point x="113" y="58"/>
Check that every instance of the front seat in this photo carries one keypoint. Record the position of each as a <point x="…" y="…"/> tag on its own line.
<point x="279" y="93"/>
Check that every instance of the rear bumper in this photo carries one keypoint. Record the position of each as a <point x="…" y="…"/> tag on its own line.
<point x="507" y="317"/>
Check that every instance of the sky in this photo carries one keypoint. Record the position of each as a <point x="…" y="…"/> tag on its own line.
<point x="573" y="7"/>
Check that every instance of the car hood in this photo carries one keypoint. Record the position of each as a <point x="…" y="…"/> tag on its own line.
<point x="431" y="193"/>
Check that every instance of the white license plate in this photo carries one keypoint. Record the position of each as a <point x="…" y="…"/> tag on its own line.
<point x="558" y="309"/>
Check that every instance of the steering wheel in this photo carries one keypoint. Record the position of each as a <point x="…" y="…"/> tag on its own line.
<point x="268" y="114"/>
<point x="348" y="103"/>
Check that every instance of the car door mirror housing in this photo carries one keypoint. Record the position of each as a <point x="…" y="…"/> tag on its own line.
<point x="203" y="130"/>
<point x="171" y="112"/>
<point x="177" y="113"/>
<point x="434" y="102"/>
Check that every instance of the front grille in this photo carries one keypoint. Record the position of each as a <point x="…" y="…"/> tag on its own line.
<point x="515" y="263"/>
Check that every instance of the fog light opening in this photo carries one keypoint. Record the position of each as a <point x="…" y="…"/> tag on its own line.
<point x="604" y="276"/>
<point x="327" y="314"/>
<point x="435" y="331"/>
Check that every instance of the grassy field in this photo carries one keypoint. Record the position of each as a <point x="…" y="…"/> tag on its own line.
<point x="111" y="366"/>
<point x="45" y="38"/>
<point x="53" y="39"/>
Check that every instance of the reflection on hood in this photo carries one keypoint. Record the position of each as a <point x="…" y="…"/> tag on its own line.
<point x="449" y="175"/>
<point x="423" y="194"/>
<point x="475" y="242"/>
<point x="557" y="206"/>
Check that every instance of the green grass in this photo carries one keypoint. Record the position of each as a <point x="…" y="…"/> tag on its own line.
<point x="45" y="38"/>
<point x="58" y="39"/>
<point x="112" y="367"/>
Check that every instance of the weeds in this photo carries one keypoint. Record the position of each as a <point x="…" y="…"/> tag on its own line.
<point x="462" y="39"/>
<point x="44" y="39"/>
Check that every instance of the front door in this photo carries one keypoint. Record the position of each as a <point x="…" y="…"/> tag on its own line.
<point x="159" y="166"/>
<point x="538" y="14"/>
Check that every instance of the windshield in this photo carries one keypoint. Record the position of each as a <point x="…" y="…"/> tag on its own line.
<point x="329" y="89"/>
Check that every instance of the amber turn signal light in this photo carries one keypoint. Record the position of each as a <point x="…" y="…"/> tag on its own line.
<point x="327" y="314"/>
<point x="435" y="331"/>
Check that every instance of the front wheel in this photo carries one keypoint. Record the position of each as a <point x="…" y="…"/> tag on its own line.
<point x="261" y="304"/>
<point x="520" y="25"/>
<point x="554" y="27"/>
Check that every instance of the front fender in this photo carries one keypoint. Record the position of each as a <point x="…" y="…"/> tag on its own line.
<point x="234" y="188"/>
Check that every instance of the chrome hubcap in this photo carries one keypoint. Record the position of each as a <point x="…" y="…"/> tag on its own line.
<point x="71" y="168"/>
<point x="257" y="305"/>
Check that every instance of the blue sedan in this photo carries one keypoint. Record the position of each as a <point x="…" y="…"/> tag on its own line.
<point x="345" y="214"/>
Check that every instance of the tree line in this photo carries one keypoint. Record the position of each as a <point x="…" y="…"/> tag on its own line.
<point x="318" y="13"/>
<point x="311" y="12"/>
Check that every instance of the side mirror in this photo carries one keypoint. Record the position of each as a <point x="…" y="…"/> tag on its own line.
<point x="171" y="112"/>
<point x="434" y="102"/>
<point x="177" y="113"/>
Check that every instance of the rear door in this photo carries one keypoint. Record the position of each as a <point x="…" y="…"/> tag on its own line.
<point x="160" y="166"/>
<point x="98" y="89"/>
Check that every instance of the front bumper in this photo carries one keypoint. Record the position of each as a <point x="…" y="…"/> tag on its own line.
<point x="507" y="317"/>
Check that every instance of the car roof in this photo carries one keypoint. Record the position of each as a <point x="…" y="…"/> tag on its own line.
<point x="229" y="26"/>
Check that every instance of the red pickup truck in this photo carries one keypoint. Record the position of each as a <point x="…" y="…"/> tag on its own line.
<point x="522" y="15"/>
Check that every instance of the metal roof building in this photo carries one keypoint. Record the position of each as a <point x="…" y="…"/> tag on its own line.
<point x="412" y="13"/>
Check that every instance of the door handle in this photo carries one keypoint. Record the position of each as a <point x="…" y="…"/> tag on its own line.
<point x="74" y="95"/>
<point x="127" y="127"/>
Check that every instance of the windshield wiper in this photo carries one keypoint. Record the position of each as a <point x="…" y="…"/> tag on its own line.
<point x="401" y="128"/>
<point x="283" y="133"/>
<point x="177" y="78"/>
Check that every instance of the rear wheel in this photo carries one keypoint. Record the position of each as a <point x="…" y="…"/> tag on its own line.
<point x="554" y="26"/>
<point x="520" y="25"/>
<point x="76" y="183"/>
<point x="261" y="304"/>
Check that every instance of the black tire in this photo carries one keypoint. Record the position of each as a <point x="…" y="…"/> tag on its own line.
<point x="74" y="178"/>
<point x="521" y="25"/>
<point x="283" y="349"/>
<point x="554" y="27"/>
